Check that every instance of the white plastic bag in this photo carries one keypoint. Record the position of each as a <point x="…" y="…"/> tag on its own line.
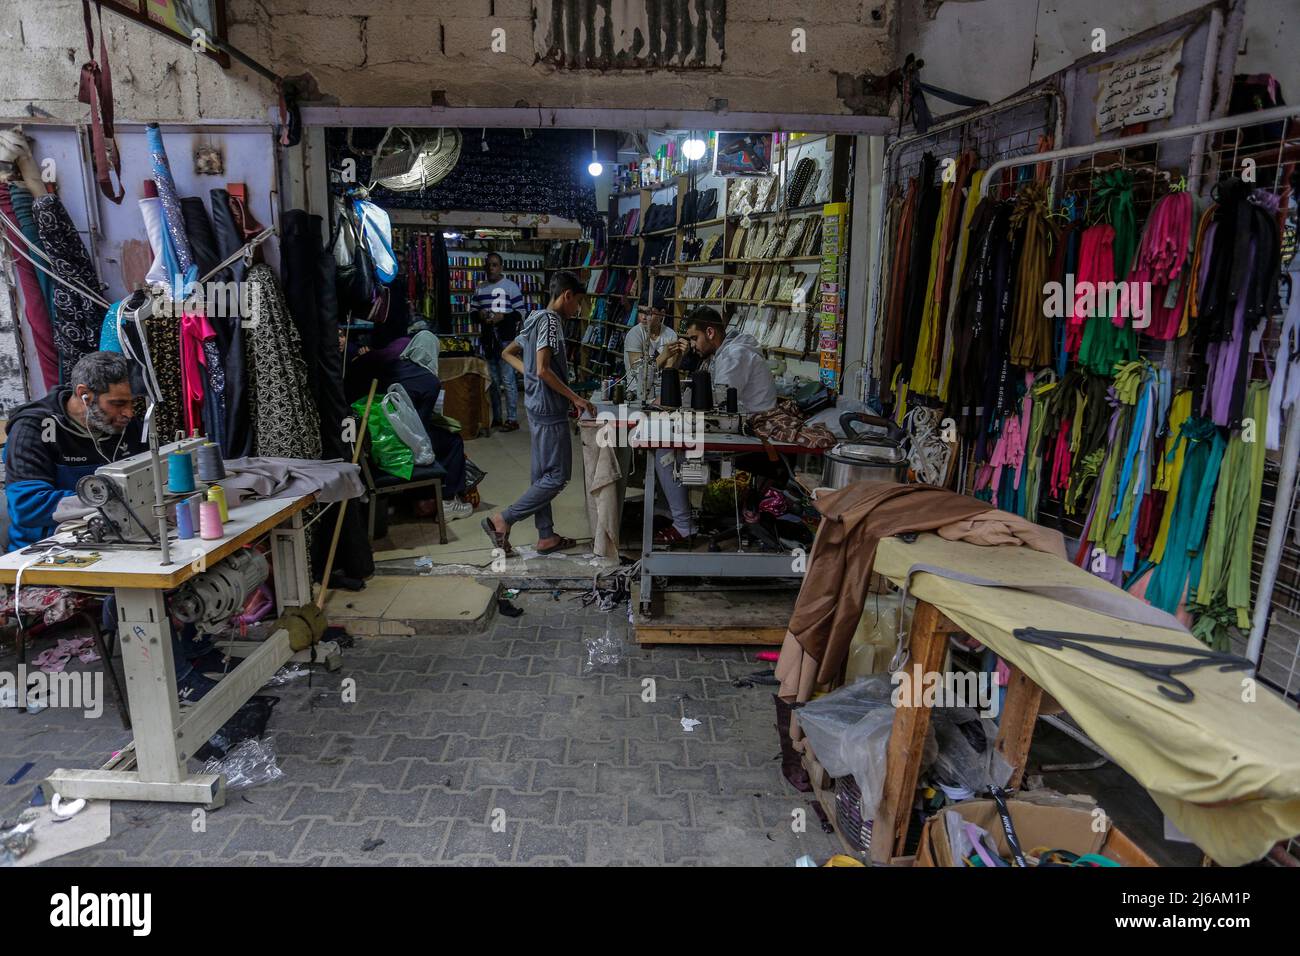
<point x="406" y="422"/>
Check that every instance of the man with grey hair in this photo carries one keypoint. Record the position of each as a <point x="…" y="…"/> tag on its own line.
<point x="53" y="441"/>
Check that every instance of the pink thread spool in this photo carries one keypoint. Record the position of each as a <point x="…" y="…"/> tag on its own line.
<point x="209" y="520"/>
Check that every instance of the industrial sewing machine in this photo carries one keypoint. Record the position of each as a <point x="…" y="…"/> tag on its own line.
<point x="124" y="497"/>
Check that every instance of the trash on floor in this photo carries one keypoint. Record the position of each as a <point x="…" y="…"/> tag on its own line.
<point x="508" y="609"/>
<point x="247" y="764"/>
<point x="689" y="724"/>
<point x="608" y="650"/>
<point x="48" y="836"/>
<point x="286" y="674"/>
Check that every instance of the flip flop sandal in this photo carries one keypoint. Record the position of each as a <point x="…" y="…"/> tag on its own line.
<point x="499" y="540"/>
<point x="565" y="544"/>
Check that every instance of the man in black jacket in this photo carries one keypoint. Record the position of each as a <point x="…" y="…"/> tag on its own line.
<point x="54" y="441"/>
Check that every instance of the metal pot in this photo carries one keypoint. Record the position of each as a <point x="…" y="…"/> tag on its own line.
<point x="876" y="454"/>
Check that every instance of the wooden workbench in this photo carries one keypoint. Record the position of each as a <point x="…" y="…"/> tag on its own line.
<point x="154" y="765"/>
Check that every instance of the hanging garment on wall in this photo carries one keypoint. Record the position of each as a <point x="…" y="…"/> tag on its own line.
<point x="1229" y="544"/>
<point x="286" y="423"/>
<point x="921" y="242"/>
<point x="76" y="321"/>
<point x="165" y="353"/>
<point x="226" y="235"/>
<point x="35" y="306"/>
<point x="1190" y="521"/>
<point x="173" y="217"/>
<point x="1286" y="382"/>
<point x="1162" y="260"/>
<point x="1239" y="293"/>
<point x="975" y="322"/>
<point x="198" y="229"/>
<point x="1031" y="331"/>
<point x="195" y="332"/>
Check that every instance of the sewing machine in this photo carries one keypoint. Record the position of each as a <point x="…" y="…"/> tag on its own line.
<point x="123" y="496"/>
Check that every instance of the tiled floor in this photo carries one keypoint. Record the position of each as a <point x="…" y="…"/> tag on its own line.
<point x="478" y="749"/>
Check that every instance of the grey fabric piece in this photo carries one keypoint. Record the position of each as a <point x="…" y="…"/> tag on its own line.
<point x="550" y="470"/>
<point x="1121" y="606"/>
<point x="329" y="481"/>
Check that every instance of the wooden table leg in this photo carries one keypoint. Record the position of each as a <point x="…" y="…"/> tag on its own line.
<point x="1016" y="724"/>
<point x="928" y="643"/>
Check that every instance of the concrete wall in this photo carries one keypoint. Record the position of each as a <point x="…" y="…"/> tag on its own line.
<point x="992" y="48"/>
<point x="436" y="52"/>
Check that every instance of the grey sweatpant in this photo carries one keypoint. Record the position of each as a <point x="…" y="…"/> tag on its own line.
<point x="551" y="468"/>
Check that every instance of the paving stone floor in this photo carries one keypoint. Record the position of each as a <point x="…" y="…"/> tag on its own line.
<point x="494" y="748"/>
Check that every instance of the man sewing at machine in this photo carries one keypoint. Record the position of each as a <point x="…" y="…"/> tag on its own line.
<point x="55" y="441"/>
<point x="734" y="361"/>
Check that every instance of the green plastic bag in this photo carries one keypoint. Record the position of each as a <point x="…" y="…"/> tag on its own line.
<point x="386" y="450"/>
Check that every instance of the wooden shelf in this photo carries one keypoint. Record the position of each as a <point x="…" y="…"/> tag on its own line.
<point x="797" y="211"/>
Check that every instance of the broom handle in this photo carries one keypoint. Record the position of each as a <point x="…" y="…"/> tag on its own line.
<point x="343" y="505"/>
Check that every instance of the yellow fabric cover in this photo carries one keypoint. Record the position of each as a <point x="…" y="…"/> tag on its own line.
<point x="1192" y="757"/>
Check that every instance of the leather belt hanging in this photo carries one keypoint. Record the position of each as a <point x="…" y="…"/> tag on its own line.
<point x="97" y="92"/>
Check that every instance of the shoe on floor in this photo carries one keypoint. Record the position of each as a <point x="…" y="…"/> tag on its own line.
<point x="669" y="536"/>
<point x="454" y="509"/>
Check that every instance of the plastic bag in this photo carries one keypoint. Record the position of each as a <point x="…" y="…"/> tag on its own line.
<point x="406" y="422"/>
<point x="607" y="651"/>
<point x="849" y="731"/>
<point x="876" y="638"/>
<point x="423" y="351"/>
<point x="387" y="450"/>
<point x="247" y="764"/>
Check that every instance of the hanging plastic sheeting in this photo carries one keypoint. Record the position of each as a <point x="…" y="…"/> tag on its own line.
<point x="176" y="244"/>
<point x="377" y="233"/>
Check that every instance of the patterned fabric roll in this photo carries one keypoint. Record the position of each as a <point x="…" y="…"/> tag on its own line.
<point x="286" y="422"/>
<point x="76" y="320"/>
<point x="173" y="218"/>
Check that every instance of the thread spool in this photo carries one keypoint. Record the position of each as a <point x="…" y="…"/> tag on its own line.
<point x="702" y="392"/>
<point x="193" y="504"/>
<point x="218" y="494"/>
<point x="670" y="389"/>
<point x="184" y="520"/>
<point x="209" y="521"/>
<point x="180" y="472"/>
<point x="211" y="465"/>
<point x="733" y="401"/>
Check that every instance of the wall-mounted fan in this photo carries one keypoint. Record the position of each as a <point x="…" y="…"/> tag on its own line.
<point x="421" y="163"/>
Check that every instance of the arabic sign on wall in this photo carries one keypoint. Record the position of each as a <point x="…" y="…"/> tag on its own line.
<point x="1140" y="88"/>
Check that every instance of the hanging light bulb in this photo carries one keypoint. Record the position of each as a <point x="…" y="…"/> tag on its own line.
<point x="594" y="168"/>
<point x="693" y="148"/>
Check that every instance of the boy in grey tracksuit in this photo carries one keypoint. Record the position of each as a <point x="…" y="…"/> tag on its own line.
<point x="538" y="355"/>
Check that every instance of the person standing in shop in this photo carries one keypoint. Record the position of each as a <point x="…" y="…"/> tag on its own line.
<point x="538" y="355"/>
<point x="499" y="304"/>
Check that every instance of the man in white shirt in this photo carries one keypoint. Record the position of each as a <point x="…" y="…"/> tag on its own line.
<point x="645" y="343"/>
<point x="731" y="360"/>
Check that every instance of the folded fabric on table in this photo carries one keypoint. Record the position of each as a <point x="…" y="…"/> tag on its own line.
<point x="329" y="481"/>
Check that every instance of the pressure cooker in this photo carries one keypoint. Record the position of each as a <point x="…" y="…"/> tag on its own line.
<point x="876" y="453"/>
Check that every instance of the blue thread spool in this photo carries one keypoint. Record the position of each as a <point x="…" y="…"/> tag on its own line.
<point x="184" y="520"/>
<point x="180" y="472"/>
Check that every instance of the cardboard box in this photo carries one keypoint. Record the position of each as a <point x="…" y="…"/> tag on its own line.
<point x="1059" y="825"/>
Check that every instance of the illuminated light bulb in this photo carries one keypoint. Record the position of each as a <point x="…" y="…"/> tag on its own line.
<point x="693" y="149"/>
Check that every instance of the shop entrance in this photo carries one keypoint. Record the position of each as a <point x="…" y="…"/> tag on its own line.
<point x="655" y="224"/>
